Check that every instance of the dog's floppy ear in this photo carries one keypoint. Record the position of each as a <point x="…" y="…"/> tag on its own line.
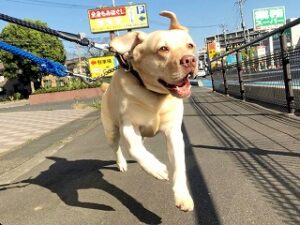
<point x="174" y="22"/>
<point x="127" y="42"/>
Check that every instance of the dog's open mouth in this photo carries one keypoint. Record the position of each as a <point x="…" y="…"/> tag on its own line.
<point x="181" y="89"/>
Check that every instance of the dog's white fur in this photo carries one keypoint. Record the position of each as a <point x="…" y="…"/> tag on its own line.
<point x="134" y="111"/>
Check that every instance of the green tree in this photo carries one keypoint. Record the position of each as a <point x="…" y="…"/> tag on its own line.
<point x="35" y="42"/>
<point x="248" y="54"/>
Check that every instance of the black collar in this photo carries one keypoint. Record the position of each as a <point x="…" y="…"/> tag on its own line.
<point x="128" y="67"/>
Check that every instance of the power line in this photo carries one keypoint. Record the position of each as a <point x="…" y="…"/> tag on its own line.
<point x="204" y="26"/>
<point x="50" y="4"/>
<point x="66" y="5"/>
<point x="188" y="26"/>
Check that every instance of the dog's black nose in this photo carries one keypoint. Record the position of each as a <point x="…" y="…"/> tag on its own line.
<point x="188" y="61"/>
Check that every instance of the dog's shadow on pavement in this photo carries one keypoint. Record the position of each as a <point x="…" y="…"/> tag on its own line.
<point x="65" y="178"/>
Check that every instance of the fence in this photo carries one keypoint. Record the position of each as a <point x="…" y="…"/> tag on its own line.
<point x="269" y="77"/>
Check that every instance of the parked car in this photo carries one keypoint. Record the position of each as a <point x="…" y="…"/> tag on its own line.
<point x="201" y="73"/>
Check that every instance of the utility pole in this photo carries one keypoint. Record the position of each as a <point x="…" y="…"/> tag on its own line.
<point x="241" y="4"/>
<point x="246" y="38"/>
<point x="224" y="34"/>
<point x="79" y="58"/>
<point x="112" y="34"/>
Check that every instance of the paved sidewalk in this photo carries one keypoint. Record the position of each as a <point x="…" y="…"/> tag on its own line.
<point x="242" y="167"/>
<point x="17" y="128"/>
<point x="10" y="104"/>
<point x="247" y="156"/>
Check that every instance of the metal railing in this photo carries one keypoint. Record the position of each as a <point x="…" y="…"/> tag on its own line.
<point x="271" y="78"/>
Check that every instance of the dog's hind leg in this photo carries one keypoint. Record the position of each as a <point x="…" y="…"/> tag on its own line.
<point x="135" y="146"/>
<point x="112" y="134"/>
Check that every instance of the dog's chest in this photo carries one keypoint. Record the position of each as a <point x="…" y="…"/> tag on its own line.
<point x="151" y="128"/>
<point x="153" y="115"/>
<point x="152" y="123"/>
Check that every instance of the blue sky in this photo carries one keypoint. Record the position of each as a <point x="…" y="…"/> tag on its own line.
<point x="202" y="17"/>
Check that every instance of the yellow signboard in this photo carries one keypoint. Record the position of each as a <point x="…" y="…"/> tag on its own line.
<point x="211" y="49"/>
<point x="125" y="17"/>
<point x="99" y="66"/>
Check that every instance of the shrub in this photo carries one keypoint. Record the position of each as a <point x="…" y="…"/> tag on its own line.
<point x="72" y="84"/>
<point x="17" y="96"/>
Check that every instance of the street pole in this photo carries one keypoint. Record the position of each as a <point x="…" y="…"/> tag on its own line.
<point x="79" y="58"/>
<point x="224" y="33"/>
<point x="286" y="66"/>
<point x="246" y="39"/>
<point x="112" y="34"/>
<point x="241" y="2"/>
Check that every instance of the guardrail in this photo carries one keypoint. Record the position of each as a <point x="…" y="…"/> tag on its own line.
<point x="272" y="78"/>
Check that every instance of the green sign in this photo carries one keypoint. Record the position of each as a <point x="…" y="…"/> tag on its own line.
<point x="269" y="18"/>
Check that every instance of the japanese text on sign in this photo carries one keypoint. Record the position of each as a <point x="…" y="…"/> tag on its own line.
<point x="269" y="18"/>
<point x="101" y="65"/>
<point x="118" y="18"/>
<point x="104" y="13"/>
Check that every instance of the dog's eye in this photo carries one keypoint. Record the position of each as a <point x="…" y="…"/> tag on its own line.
<point x="164" y="49"/>
<point x="190" y="45"/>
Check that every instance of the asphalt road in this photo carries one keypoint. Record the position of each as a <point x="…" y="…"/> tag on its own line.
<point x="77" y="182"/>
<point x="242" y="165"/>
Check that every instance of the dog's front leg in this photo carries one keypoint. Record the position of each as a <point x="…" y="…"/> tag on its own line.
<point x="175" y="144"/>
<point x="137" y="150"/>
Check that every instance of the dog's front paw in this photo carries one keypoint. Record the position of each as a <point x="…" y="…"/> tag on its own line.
<point x="184" y="201"/>
<point x="122" y="164"/>
<point x="160" y="172"/>
<point x="156" y="169"/>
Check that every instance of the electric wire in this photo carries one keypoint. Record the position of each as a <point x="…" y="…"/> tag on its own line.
<point x="50" y="4"/>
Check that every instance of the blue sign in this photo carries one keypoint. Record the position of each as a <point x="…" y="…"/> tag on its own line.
<point x="231" y="59"/>
<point x="140" y="9"/>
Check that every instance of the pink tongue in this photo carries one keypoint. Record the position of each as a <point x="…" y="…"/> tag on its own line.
<point x="181" y="83"/>
<point x="183" y="91"/>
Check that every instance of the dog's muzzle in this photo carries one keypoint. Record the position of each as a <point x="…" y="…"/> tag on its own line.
<point x="189" y="63"/>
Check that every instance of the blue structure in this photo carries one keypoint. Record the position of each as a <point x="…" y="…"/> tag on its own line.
<point x="46" y="65"/>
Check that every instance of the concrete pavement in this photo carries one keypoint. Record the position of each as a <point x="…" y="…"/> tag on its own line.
<point x="23" y="125"/>
<point x="18" y="128"/>
<point x="12" y="104"/>
<point x="242" y="166"/>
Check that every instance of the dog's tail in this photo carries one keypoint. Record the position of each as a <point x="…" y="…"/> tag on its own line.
<point x="104" y="86"/>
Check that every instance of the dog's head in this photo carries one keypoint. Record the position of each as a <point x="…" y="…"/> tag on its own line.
<point x="164" y="59"/>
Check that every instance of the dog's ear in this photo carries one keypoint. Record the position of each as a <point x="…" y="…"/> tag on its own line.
<point x="174" y="22"/>
<point x="127" y="42"/>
